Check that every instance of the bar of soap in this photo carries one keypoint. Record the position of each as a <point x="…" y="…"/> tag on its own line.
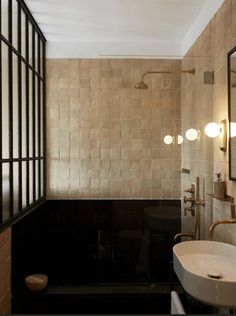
<point x="36" y="282"/>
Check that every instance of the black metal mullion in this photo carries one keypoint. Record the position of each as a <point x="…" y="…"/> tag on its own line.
<point x="5" y="160"/>
<point x="33" y="114"/>
<point x="1" y="197"/>
<point x="10" y="100"/>
<point x="19" y="216"/>
<point x="21" y="57"/>
<point x="31" y="18"/>
<point x="19" y="109"/>
<point x="27" y="113"/>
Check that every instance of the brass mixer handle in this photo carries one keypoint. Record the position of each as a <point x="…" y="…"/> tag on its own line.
<point x="186" y="200"/>
<point x="189" y="191"/>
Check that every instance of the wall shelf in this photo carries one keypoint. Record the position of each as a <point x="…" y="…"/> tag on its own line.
<point x="184" y="170"/>
<point x="227" y="198"/>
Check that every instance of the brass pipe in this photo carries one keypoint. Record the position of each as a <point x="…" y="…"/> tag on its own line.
<point x="191" y="71"/>
<point x="218" y="222"/>
<point x="143" y="85"/>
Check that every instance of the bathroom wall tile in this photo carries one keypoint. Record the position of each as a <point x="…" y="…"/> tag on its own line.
<point x="101" y="129"/>
<point x="5" y="306"/>
<point x="209" y="103"/>
<point x="146" y="193"/>
<point x="5" y="272"/>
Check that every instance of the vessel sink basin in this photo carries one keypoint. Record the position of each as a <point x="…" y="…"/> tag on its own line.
<point x="207" y="271"/>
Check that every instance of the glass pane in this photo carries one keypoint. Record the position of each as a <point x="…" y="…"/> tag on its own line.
<point x="41" y="117"/>
<point x="37" y="179"/>
<point x="16" y="187"/>
<point x="15" y="108"/>
<point x="36" y="51"/>
<point x="24" y="184"/>
<point x="42" y="178"/>
<point x="30" y="114"/>
<point x="36" y="118"/>
<point x="15" y="23"/>
<point x="31" y="182"/>
<point x="5" y="103"/>
<point x="6" y="190"/>
<point x="23" y="34"/>
<point x="23" y="110"/>
<point x="41" y="59"/>
<point x="30" y="44"/>
<point x="4" y="18"/>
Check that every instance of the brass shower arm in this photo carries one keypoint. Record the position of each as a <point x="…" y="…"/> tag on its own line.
<point x="143" y="85"/>
<point x="191" y="71"/>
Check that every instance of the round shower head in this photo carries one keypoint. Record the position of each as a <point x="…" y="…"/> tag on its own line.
<point x="141" y="85"/>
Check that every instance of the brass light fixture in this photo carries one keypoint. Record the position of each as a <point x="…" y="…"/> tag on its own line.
<point x="143" y="85"/>
<point x="213" y="130"/>
<point x="223" y="136"/>
<point x="192" y="134"/>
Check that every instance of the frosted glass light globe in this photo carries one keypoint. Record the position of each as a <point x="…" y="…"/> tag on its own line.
<point x="212" y="130"/>
<point x="192" y="134"/>
<point x="168" y="140"/>
<point x="180" y="139"/>
<point x="232" y="129"/>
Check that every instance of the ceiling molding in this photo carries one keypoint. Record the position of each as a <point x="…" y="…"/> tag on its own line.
<point x="69" y="49"/>
<point x="204" y="17"/>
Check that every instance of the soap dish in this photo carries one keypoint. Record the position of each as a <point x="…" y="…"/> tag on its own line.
<point x="36" y="282"/>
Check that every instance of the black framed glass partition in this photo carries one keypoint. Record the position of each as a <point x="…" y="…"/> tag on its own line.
<point x="22" y="111"/>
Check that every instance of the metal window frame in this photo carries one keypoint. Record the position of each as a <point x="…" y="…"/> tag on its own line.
<point x="1" y="208"/>
<point x="38" y="77"/>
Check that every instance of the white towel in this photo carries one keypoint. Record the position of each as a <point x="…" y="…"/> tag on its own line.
<point x="176" y="305"/>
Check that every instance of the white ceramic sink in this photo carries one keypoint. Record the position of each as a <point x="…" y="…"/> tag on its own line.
<point x="199" y="264"/>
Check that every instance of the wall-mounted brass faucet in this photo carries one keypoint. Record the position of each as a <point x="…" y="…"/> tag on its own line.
<point x="191" y="200"/>
<point x="195" y="199"/>
<point x="194" y="207"/>
<point x="178" y="237"/>
<point x="223" y="221"/>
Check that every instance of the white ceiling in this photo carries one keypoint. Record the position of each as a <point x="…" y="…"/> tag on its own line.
<point x="91" y="28"/>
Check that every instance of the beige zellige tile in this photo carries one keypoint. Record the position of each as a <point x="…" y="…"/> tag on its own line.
<point x="104" y="129"/>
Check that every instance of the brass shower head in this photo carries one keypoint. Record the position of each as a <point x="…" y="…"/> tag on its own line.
<point x="142" y="85"/>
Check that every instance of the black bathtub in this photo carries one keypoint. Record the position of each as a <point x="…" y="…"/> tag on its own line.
<point x="83" y="244"/>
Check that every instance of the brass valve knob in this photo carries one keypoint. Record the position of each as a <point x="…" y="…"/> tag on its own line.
<point x="189" y="209"/>
<point x="189" y="191"/>
<point x="186" y="200"/>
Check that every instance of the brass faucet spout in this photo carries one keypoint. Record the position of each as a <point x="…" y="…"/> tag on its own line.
<point x="218" y="222"/>
<point x="180" y="235"/>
